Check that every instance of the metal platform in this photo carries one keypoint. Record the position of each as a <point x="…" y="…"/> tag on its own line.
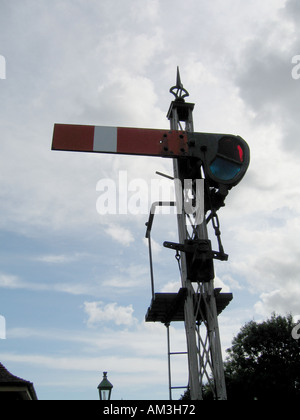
<point x="169" y="307"/>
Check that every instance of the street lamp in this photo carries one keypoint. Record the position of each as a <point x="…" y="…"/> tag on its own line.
<point x="105" y="388"/>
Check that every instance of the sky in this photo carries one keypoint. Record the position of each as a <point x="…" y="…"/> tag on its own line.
<point x="75" y="282"/>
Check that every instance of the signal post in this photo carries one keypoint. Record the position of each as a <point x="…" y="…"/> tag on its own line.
<point x="182" y="112"/>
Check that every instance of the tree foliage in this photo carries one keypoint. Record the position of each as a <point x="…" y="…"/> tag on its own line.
<point x="264" y="361"/>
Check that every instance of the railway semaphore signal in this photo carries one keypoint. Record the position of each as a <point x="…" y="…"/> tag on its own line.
<point x="220" y="161"/>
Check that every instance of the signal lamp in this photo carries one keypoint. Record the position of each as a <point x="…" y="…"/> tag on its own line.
<point x="225" y="158"/>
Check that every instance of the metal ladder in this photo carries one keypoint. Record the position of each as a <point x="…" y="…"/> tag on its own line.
<point x="186" y="387"/>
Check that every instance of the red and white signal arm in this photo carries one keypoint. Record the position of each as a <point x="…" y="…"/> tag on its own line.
<point x="119" y="140"/>
<point x="225" y="158"/>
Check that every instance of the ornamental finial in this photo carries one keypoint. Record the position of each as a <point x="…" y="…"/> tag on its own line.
<point x="178" y="91"/>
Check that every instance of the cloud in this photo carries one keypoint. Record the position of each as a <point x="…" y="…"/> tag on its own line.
<point x="265" y="261"/>
<point x="264" y="77"/>
<point x="86" y="364"/>
<point x="9" y="281"/>
<point x="121" y="278"/>
<point x="52" y="190"/>
<point x="120" y="234"/>
<point x="171" y="287"/>
<point x="156" y="248"/>
<point x="136" y="350"/>
<point x="260" y="223"/>
<point x="99" y="313"/>
<point x="220" y="283"/>
<point x="284" y="300"/>
<point x="58" y="259"/>
<point x="129" y="278"/>
<point x="145" y="12"/>
<point x="132" y="337"/>
<point x="111" y="63"/>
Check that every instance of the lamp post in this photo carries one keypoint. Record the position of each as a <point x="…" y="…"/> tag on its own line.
<point x="105" y="388"/>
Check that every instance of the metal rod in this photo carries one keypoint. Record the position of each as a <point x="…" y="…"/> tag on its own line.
<point x="151" y="266"/>
<point x="164" y="175"/>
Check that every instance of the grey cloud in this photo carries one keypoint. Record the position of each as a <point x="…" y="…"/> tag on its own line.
<point x="284" y="300"/>
<point x="264" y="75"/>
<point x="265" y="81"/>
<point x="292" y="10"/>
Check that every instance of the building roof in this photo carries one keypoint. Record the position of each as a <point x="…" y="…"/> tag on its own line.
<point x="10" y="381"/>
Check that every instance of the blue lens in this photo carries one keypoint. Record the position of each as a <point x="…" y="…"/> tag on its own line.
<point x="224" y="169"/>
